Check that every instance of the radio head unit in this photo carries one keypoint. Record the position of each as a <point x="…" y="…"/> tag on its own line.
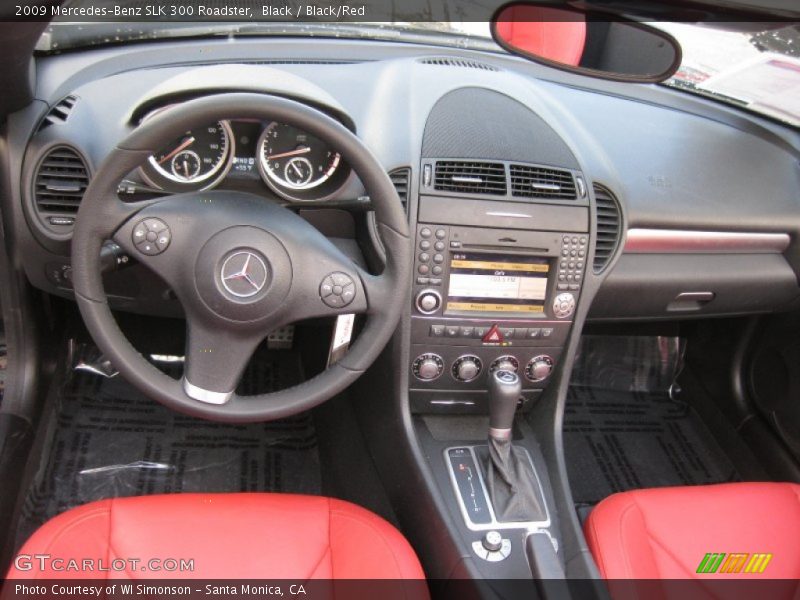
<point x="497" y="283"/>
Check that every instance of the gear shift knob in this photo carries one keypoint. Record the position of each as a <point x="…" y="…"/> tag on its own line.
<point x="505" y="388"/>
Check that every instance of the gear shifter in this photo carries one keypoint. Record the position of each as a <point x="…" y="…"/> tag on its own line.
<point x="510" y="479"/>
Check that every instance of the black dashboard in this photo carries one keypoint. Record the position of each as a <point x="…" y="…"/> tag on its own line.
<point x="689" y="208"/>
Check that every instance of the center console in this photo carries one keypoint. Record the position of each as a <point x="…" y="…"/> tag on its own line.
<point x="488" y="299"/>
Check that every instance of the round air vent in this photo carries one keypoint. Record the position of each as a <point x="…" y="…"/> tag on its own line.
<point x="59" y="183"/>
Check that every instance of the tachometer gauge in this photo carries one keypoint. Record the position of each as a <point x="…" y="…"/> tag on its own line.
<point x="294" y="162"/>
<point x="198" y="159"/>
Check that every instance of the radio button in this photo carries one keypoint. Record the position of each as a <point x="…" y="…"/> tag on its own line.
<point x="547" y="332"/>
<point x="423" y="269"/>
<point x="452" y="331"/>
<point x="455" y="244"/>
<point x="563" y="286"/>
<point x="438" y="246"/>
<point x="424" y="245"/>
<point x="423" y="280"/>
<point x="437" y="270"/>
<point x="424" y="257"/>
<point x="480" y="332"/>
<point x="435" y="281"/>
<point x="438" y="259"/>
<point x="508" y="333"/>
<point x="533" y="333"/>
<point x="437" y="330"/>
<point x="441" y="234"/>
<point x="425" y="232"/>
<point x="467" y="332"/>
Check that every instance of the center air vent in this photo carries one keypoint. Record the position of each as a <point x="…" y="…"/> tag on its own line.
<point x="400" y="179"/>
<point x="59" y="184"/>
<point x="609" y="227"/>
<point x="470" y="177"/>
<point x="541" y="182"/>
<point x="447" y="61"/>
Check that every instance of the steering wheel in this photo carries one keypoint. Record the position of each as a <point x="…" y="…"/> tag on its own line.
<point x="240" y="265"/>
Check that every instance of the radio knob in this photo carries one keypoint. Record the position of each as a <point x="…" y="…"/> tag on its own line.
<point x="428" y="301"/>
<point x="563" y="305"/>
<point x="467" y="368"/>
<point x="505" y="363"/>
<point x="539" y="368"/>
<point x="428" y="367"/>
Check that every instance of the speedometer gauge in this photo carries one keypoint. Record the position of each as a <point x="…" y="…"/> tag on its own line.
<point x="293" y="161"/>
<point x="198" y="158"/>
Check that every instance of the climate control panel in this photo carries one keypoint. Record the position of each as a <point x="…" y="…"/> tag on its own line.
<point x="459" y="368"/>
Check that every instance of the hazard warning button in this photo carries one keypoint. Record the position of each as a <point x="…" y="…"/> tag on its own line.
<point x="494" y="335"/>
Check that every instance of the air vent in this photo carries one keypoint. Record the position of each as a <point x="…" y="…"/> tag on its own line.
<point x="400" y="179"/>
<point x="59" y="113"/>
<point x="541" y="182"/>
<point x="446" y="61"/>
<point x="609" y="224"/>
<point x="59" y="185"/>
<point x="470" y="177"/>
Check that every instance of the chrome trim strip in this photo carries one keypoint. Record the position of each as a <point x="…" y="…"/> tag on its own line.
<point x="510" y="215"/>
<point x="529" y="526"/>
<point x="207" y="396"/>
<point x="675" y="241"/>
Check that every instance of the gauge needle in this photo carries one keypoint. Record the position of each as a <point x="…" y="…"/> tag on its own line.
<point x="297" y="169"/>
<point x="303" y="150"/>
<point x="186" y="143"/>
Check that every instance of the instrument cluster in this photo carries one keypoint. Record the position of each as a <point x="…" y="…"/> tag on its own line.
<point x="294" y="164"/>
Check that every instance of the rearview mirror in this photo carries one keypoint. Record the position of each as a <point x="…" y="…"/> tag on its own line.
<point x="587" y="43"/>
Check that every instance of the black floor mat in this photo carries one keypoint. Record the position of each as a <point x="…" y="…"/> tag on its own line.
<point x="620" y="440"/>
<point x="105" y="440"/>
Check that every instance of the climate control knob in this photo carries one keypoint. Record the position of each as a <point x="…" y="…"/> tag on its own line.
<point x="504" y="363"/>
<point x="428" y="301"/>
<point x="466" y="368"/>
<point x="428" y="366"/>
<point x="539" y="368"/>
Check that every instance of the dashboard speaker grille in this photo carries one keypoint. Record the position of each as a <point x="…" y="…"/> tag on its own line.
<point x="400" y="179"/>
<point x="541" y="182"/>
<point x="470" y="177"/>
<point x="609" y="227"/>
<point x="59" y="183"/>
<point x="59" y="113"/>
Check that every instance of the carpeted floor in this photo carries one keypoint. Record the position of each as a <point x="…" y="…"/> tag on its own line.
<point x="624" y="430"/>
<point x="105" y="440"/>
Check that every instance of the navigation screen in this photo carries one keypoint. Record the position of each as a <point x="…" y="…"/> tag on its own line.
<point x="497" y="283"/>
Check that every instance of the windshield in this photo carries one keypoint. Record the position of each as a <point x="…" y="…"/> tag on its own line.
<point x="758" y="70"/>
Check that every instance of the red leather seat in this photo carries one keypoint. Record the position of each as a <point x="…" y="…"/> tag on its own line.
<point x="665" y="533"/>
<point x="228" y="536"/>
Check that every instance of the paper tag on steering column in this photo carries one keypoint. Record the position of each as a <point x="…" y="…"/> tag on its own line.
<point x="342" y="334"/>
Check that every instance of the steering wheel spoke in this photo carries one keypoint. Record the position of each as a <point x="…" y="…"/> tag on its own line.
<point x="215" y="360"/>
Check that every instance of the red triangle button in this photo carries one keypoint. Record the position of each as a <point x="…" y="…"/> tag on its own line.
<point x="493" y="336"/>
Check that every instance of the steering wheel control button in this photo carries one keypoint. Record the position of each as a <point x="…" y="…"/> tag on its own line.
<point x="337" y="290"/>
<point x="151" y="236"/>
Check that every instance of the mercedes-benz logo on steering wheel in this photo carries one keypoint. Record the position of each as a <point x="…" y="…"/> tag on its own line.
<point x="244" y="274"/>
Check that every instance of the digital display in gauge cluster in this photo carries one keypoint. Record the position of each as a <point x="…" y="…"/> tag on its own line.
<point x="294" y="164"/>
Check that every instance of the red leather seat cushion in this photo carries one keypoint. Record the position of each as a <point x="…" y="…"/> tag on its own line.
<point x="229" y="536"/>
<point x="664" y="533"/>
